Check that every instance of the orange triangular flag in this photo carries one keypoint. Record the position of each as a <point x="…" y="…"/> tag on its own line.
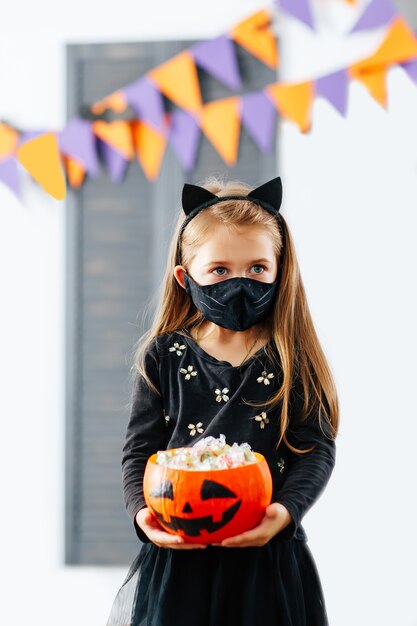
<point x="40" y="157"/>
<point x="375" y="82"/>
<point x="220" y="122"/>
<point x="256" y="37"/>
<point x="117" y="134"/>
<point x="294" y="101"/>
<point x="8" y="140"/>
<point x="399" y="45"/>
<point x="115" y="101"/>
<point x="178" y="80"/>
<point x="75" y="172"/>
<point x="150" y="147"/>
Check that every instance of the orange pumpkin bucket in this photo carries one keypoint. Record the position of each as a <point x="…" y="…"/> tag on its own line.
<point x="206" y="506"/>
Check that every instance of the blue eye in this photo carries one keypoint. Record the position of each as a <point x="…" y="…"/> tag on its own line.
<point x="223" y="273"/>
<point x="219" y="268"/>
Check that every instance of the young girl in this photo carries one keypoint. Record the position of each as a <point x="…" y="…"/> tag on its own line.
<point x="232" y="351"/>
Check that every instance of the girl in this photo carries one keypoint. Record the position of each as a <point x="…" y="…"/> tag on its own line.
<point x="232" y="350"/>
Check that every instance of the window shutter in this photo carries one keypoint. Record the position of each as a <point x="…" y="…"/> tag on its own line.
<point x="408" y="10"/>
<point x="116" y="241"/>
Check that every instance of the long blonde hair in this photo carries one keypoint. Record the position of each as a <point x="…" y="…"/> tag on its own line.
<point x="291" y="325"/>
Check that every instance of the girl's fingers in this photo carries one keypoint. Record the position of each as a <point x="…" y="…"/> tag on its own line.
<point x="253" y="537"/>
<point x="181" y="546"/>
<point x="167" y="540"/>
<point x="151" y="520"/>
<point x="159" y="536"/>
<point x="249" y="538"/>
<point x="238" y="540"/>
<point x="186" y="546"/>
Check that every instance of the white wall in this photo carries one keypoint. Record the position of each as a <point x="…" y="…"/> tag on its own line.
<point x="350" y="189"/>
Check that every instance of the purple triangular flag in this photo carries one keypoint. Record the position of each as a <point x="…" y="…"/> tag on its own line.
<point x="334" y="88"/>
<point x="378" y="13"/>
<point x="300" y="9"/>
<point x="184" y="138"/>
<point x="411" y="69"/>
<point x="147" y="101"/>
<point x="218" y="58"/>
<point x="27" y="135"/>
<point x="9" y="174"/>
<point x="258" y="117"/>
<point x="78" y="141"/>
<point x="114" y="161"/>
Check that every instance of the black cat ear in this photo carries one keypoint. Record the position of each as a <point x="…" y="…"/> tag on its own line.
<point x="270" y="192"/>
<point x="193" y="196"/>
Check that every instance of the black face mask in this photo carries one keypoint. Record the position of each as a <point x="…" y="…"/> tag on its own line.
<point x="235" y="303"/>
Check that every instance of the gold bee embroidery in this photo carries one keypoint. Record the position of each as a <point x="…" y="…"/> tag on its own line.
<point x="177" y="348"/>
<point x="281" y="465"/>
<point x="196" y="428"/>
<point x="190" y="371"/>
<point x="265" y="378"/>
<point x="221" y="395"/>
<point x="262" y="419"/>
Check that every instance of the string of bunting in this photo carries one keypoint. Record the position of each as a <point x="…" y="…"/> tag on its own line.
<point x="132" y="122"/>
<point x="376" y="14"/>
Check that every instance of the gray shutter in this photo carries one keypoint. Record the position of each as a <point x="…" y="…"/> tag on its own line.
<point x="116" y="241"/>
<point x="408" y="10"/>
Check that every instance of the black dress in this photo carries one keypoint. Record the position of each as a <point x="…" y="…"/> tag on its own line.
<point x="276" y="584"/>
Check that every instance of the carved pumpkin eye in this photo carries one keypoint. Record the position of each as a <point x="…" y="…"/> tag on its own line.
<point x="211" y="489"/>
<point x="164" y="490"/>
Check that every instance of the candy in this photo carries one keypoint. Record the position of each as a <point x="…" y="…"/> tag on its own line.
<point x="208" y="453"/>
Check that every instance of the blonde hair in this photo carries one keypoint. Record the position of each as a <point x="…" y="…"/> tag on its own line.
<point x="291" y="325"/>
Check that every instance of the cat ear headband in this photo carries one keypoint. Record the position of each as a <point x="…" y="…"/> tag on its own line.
<point x="195" y="199"/>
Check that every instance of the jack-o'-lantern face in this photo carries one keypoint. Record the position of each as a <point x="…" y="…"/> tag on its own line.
<point x="208" y="506"/>
<point x="192" y="526"/>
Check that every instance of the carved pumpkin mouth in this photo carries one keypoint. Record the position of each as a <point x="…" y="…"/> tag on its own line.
<point x="194" y="526"/>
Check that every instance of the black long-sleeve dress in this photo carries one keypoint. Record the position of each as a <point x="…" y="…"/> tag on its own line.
<point x="276" y="584"/>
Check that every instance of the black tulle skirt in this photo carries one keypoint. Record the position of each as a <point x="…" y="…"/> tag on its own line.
<point x="274" y="585"/>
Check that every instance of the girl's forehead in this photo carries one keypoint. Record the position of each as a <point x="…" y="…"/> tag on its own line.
<point x="244" y="241"/>
<point x="222" y="234"/>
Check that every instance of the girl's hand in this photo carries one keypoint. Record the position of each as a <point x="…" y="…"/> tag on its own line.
<point x="276" y="518"/>
<point x="150" y="525"/>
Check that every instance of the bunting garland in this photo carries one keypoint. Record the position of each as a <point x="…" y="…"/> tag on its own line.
<point x="150" y="147"/>
<point x="184" y="138"/>
<point x="177" y="79"/>
<point x="218" y="58"/>
<point x="82" y="144"/>
<point x="220" y="122"/>
<point x="255" y="36"/>
<point x="146" y="100"/>
<point x="258" y="118"/>
<point x="378" y="13"/>
<point x="334" y="89"/>
<point x="76" y="142"/>
<point x="300" y="9"/>
<point x="411" y="69"/>
<point x="294" y="101"/>
<point x="40" y="157"/>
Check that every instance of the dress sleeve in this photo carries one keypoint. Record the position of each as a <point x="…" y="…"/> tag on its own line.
<point x="145" y="435"/>
<point x="308" y="474"/>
